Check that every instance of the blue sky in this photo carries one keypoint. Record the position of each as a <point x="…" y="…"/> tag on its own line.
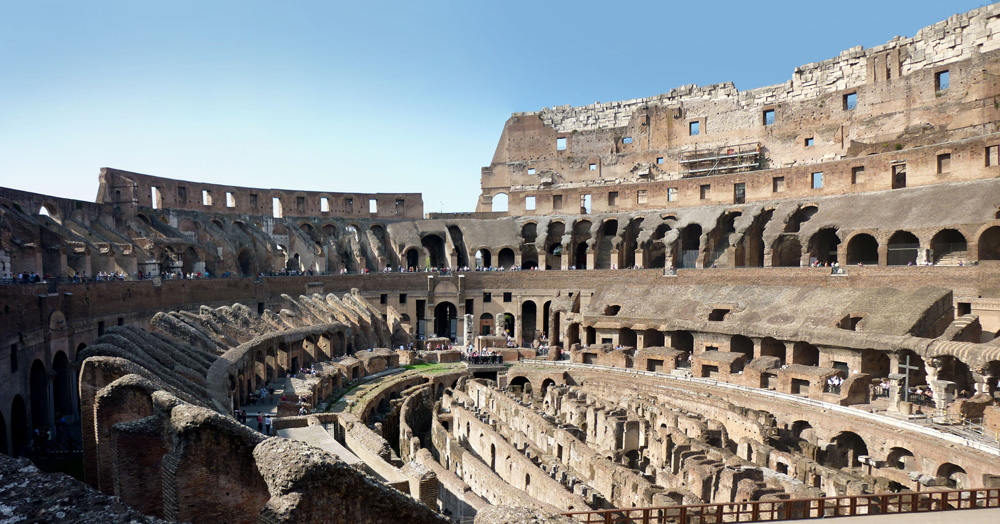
<point x="368" y="96"/>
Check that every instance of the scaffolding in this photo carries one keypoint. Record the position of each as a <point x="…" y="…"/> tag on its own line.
<point x="721" y="160"/>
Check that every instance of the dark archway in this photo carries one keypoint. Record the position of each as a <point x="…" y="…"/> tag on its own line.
<point x="546" y="310"/>
<point x="529" y="316"/>
<point x="742" y="344"/>
<point x="848" y="447"/>
<point x="508" y="324"/>
<point x="862" y="249"/>
<point x="20" y="434"/>
<point x="989" y="244"/>
<point x="954" y="475"/>
<point x="875" y="363"/>
<point x="581" y="256"/>
<point x="627" y="337"/>
<point x="506" y="258"/>
<point x="823" y="246"/>
<point x="689" y="245"/>
<point x="245" y="259"/>
<point x="62" y="385"/>
<point x="484" y="258"/>
<point x="805" y="354"/>
<point x="446" y="320"/>
<point x="412" y="258"/>
<point x="787" y="251"/>
<point x="684" y="341"/>
<point x="902" y="249"/>
<point x="3" y="435"/>
<point x="770" y="347"/>
<point x="553" y="245"/>
<point x="949" y="247"/>
<point x="605" y="244"/>
<point x="39" y="394"/>
<point x="434" y="245"/>
<point x="652" y="338"/>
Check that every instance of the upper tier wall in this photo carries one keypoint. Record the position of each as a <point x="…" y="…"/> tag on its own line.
<point x="124" y="187"/>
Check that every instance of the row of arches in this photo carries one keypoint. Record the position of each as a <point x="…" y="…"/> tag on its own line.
<point x="50" y="401"/>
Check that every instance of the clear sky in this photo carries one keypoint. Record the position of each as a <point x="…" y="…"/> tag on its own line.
<point x="369" y="96"/>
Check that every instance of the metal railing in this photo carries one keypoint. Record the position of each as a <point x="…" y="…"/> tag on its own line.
<point x="816" y="508"/>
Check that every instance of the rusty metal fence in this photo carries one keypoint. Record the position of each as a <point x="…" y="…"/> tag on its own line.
<point x="774" y="510"/>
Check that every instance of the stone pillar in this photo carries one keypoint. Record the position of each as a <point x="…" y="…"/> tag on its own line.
<point x="640" y="257"/>
<point x="883" y="253"/>
<point x="590" y="257"/>
<point x="944" y="394"/>
<point x="767" y="257"/>
<point x="567" y="258"/>
<point x="614" y="260"/>
<point x="468" y="329"/>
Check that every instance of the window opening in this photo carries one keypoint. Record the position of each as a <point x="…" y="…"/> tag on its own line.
<point x="817" y="180"/>
<point x="769" y="117"/>
<point x="529" y="203"/>
<point x="942" y="80"/>
<point x="777" y="184"/>
<point x="230" y="199"/>
<point x="627" y="140"/>
<point x="810" y="141"/>
<point x="944" y="163"/>
<point x="850" y="101"/>
<point x="899" y="176"/>
<point x="612" y="198"/>
<point x="324" y="205"/>
<point x="640" y="197"/>
<point x="561" y="144"/>
<point x="531" y="171"/>
<point x="671" y="194"/>
<point x="206" y="197"/>
<point x="705" y="190"/>
<point x="372" y="206"/>
<point x="856" y="173"/>
<point x="694" y="128"/>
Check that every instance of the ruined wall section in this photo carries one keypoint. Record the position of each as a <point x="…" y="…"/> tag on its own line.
<point x="134" y="189"/>
<point x="899" y="100"/>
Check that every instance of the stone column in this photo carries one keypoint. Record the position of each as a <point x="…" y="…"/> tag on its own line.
<point x="640" y="257"/>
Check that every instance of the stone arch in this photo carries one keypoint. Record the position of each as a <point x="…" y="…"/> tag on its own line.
<point x="799" y="217"/>
<point x="954" y="475"/>
<point x="572" y="334"/>
<point x="50" y="210"/>
<point x="505" y="258"/>
<point x="742" y="344"/>
<point x="627" y="337"/>
<point x="546" y="384"/>
<point x="20" y="433"/>
<point x="897" y="458"/>
<point x="683" y="340"/>
<point x="798" y="428"/>
<point x="521" y="382"/>
<point x="446" y="320"/>
<point x="862" y="249"/>
<point x="787" y="251"/>
<point x="917" y="376"/>
<point x="434" y="245"/>
<point x="486" y="324"/>
<point x="39" y="395"/>
<point x="848" y="446"/>
<point x="62" y="385"/>
<point x="652" y="338"/>
<point x="805" y="354"/>
<point x="823" y="244"/>
<point x="412" y="258"/>
<point x="246" y="262"/>
<point x="630" y="243"/>
<point x="553" y="244"/>
<point x="500" y="203"/>
<point x="529" y="321"/>
<point x="953" y="369"/>
<point x="750" y="247"/>
<point x="902" y="249"/>
<point x="989" y="244"/>
<point x="688" y="246"/>
<point x="606" y="241"/>
<point x="948" y="246"/>
<point x="483" y="257"/>
<point x="875" y="363"/>
<point x="771" y="347"/>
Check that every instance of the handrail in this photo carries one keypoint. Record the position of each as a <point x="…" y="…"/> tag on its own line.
<point x="795" y="509"/>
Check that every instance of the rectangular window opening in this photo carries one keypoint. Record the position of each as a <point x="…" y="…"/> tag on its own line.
<point x="769" y="117"/>
<point x="944" y="163"/>
<point x="777" y="184"/>
<point x="529" y="203"/>
<point x="508" y="296"/>
<point x="349" y="205"/>
<point x="627" y="140"/>
<point x="154" y="196"/>
<point x="659" y="160"/>
<point x="230" y="199"/>
<point x="182" y="194"/>
<point x="810" y="141"/>
<point x="942" y="80"/>
<point x="13" y="358"/>
<point x="487" y="296"/>
<point x="993" y="156"/>
<point x="641" y="196"/>
<point x="850" y="101"/>
<point x="857" y="172"/>
<point x="899" y="176"/>
<point x="253" y="200"/>
<point x="593" y="166"/>
<point x="300" y="204"/>
<point x="324" y="205"/>
<point x="585" y="204"/>
<point x="612" y="198"/>
<point x="705" y="190"/>
<point x="817" y="180"/>
<point x="372" y="206"/>
<point x="400" y="206"/>
<point x="383" y="298"/>
<point x="561" y="143"/>
<point x="694" y="128"/>
<point x="206" y="197"/>
<point x="739" y="193"/>
<point x="556" y="201"/>
<point x="402" y="298"/>
<point x="276" y="210"/>
<point x="671" y="194"/>
<point x="531" y="171"/>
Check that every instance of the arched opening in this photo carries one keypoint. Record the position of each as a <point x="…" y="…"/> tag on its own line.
<point x="484" y="258"/>
<point x="805" y="354"/>
<point x="19" y="431"/>
<point x="875" y="363"/>
<point x="684" y="341"/>
<point x="630" y="243"/>
<point x="652" y="338"/>
<point x="801" y="216"/>
<point x="770" y="347"/>
<point x="412" y="258"/>
<point x="787" y="251"/>
<point x="62" y="386"/>
<point x="899" y="458"/>
<point x="750" y="248"/>
<point x="717" y="241"/>
<point x="521" y="383"/>
<point x="486" y="324"/>
<point x="742" y="344"/>
<point x="458" y="244"/>
<point x="605" y="243"/>
<point x="189" y="260"/>
<point x="499" y="203"/>
<point x="546" y="310"/>
<point x="948" y="247"/>
<point x="572" y="334"/>
<point x="989" y="244"/>
<point x="546" y="384"/>
<point x="39" y="395"/>
<point x="902" y="249"/>
<point x="862" y="249"/>
<point x="690" y="243"/>
<point x="434" y="245"/>
<point x="848" y="446"/>
<point x="529" y="315"/>
<point x="553" y="245"/>
<point x="581" y="235"/>
<point x="245" y="259"/>
<point x="956" y="371"/>
<point x="798" y="427"/>
<point x="627" y="337"/>
<point x="589" y="335"/>
<point x="506" y="258"/>
<point x="493" y="456"/>
<point x="508" y="324"/>
<point x="580" y="260"/>
<point x="823" y="246"/>
<point x="446" y="320"/>
<point x="954" y="475"/>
